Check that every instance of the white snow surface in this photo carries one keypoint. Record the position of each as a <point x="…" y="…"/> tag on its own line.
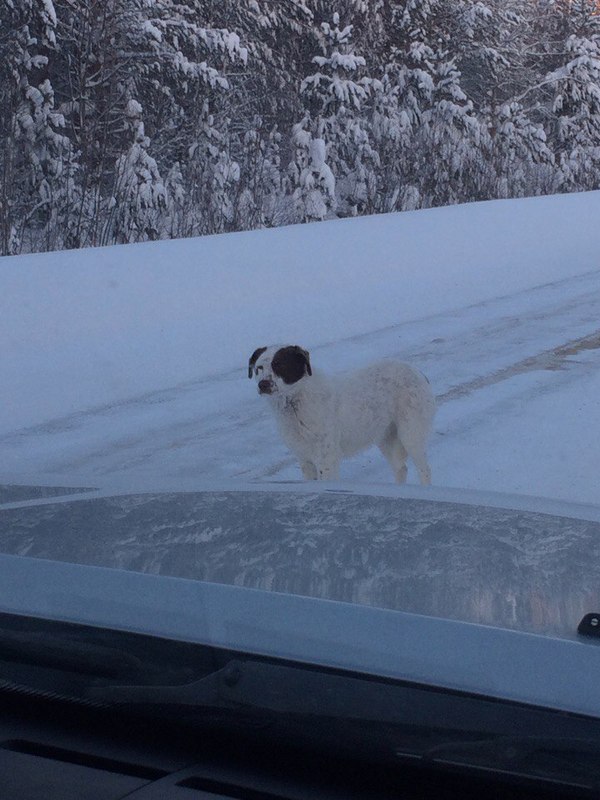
<point x="132" y="359"/>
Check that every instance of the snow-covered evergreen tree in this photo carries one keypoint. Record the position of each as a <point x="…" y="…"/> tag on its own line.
<point x="92" y="74"/>
<point x="455" y="142"/>
<point x="310" y="176"/>
<point x="401" y="98"/>
<point x="140" y="197"/>
<point x="33" y="184"/>
<point x="336" y="96"/>
<point x="260" y="187"/>
<point x="187" y="53"/>
<point x="492" y="52"/>
<point x="212" y="176"/>
<point x="577" y="109"/>
<point x="489" y="43"/>
<point x="173" y="222"/>
<point x="169" y="56"/>
<point x="276" y="36"/>
<point x="436" y="130"/>
<point x="521" y="162"/>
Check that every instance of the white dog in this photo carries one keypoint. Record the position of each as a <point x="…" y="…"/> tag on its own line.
<point x="323" y="420"/>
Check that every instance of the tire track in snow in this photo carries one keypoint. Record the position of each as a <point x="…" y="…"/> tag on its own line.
<point x="555" y="358"/>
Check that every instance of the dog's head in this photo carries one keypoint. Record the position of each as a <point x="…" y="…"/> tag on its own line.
<point x="278" y="369"/>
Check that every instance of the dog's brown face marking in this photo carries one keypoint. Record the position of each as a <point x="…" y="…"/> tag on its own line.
<point x="254" y="358"/>
<point x="291" y="364"/>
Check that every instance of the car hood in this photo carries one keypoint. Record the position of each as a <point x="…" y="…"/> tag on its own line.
<point x="522" y="563"/>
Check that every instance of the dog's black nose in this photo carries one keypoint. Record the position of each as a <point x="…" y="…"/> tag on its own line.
<point x="264" y="386"/>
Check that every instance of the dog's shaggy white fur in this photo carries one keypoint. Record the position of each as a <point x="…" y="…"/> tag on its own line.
<point x="326" y="419"/>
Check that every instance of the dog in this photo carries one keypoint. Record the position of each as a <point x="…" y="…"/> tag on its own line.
<point x="326" y="419"/>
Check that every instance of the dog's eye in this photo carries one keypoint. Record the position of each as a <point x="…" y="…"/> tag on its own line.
<point x="259" y="369"/>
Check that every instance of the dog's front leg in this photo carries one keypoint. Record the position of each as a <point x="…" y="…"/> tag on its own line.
<point x="327" y="459"/>
<point x="328" y="472"/>
<point x="324" y="472"/>
<point x="327" y="463"/>
<point x="309" y="471"/>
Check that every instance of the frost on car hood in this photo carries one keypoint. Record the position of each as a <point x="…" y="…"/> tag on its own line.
<point x="517" y="569"/>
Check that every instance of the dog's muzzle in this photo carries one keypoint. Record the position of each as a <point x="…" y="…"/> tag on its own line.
<point x="265" y="387"/>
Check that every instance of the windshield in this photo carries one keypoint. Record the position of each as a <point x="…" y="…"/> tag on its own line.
<point x="302" y="299"/>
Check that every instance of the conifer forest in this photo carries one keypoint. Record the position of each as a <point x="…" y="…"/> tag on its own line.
<point x="135" y="120"/>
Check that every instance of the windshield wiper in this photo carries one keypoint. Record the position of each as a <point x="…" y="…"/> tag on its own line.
<point x="407" y="721"/>
<point x="267" y="687"/>
<point x="311" y="690"/>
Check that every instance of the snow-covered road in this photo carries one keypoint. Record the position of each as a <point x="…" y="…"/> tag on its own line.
<point x="517" y="380"/>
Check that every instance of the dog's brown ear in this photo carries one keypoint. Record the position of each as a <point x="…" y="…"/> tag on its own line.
<point x="291" y="363"/>
<point x="254" y="358"/>
<point x="306" y="356"/>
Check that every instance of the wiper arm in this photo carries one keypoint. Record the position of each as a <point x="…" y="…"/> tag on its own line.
<point x="409" y="719"/>
<point x="208" y="691"/>
<point x="318" y="691"/>
<point x="268" y="687"/>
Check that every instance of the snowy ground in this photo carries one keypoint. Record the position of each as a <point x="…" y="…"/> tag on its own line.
<point x="131" y="361"/>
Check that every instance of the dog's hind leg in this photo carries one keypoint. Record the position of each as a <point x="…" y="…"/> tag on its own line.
<point x="414" y="442"/>
<point x="395" y="453"/>
<point x="420" y="461"/>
